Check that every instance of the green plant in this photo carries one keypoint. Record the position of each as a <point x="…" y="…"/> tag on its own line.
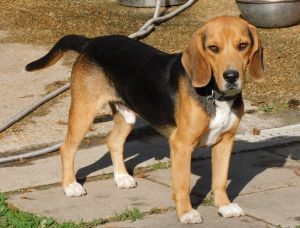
<point x="266" y="107"/>
<point x="271" y="107"/>
<point x="286" y="105"/>
<point x="156" y="210"/>
<point x="12" y="217"/>
<point x="160" y="165"/>
<point x="132" y="215"/>
<point x="208" y="201"/>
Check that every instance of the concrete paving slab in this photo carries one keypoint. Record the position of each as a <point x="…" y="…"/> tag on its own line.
<point x="267" y="120"/>
<point x="249" y="173"/>
<point x="266" y="138"/>
<point x="88" y="162"/>
<point x="23" y="87"/>
<point x="278" y="207"/>
<point x="210" y="220"/>
<point x="103" y="200"/>
<point x="21" y="90"/>
<point x="42" y="171"/>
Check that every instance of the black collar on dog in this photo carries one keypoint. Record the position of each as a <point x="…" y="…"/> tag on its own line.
<point x="220" y="96"/>
<point x="210" y="93"/>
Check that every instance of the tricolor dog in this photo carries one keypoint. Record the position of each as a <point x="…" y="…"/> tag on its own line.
<point x="193" y="98"/>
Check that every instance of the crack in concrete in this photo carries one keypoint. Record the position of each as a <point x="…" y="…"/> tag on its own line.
<point x="157" y="182"/>
<point x="267" y="190"/>
<point x="260" y="220"/>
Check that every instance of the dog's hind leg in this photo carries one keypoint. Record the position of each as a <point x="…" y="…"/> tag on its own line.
<point x="115" y="143"/>
<point x="89" y="91"/>
<point x="80" y="119"/>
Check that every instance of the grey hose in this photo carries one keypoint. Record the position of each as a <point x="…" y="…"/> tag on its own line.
<point x="144" y="30"/>
<point x="31" y="154"/>
<point x="168" y="16"/>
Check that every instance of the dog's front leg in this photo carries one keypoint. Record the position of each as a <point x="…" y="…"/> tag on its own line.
<point x="181" y="151"/>
<point x="221" y="153"/>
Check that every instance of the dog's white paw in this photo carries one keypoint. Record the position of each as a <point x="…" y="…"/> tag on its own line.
<point x="74" y="189"/>
<point x="192" y="216"/>
<point x="124" y="181"/>
<point x="231" y="210"/>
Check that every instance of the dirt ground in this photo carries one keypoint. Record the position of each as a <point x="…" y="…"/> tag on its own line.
<point x="44" y="22"/>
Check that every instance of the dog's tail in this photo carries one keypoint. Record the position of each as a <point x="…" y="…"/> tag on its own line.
<point x="70" y="42"/>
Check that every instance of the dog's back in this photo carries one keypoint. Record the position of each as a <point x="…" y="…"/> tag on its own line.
<point x="145" y="78"/>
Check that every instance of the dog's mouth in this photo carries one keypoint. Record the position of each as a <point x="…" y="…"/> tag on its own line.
<point x="231" y="86"/>
<point x="232" y="89"/>
<point x="227" y="89"/>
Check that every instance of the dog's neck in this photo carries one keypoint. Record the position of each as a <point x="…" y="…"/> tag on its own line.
<point x="210" y="93"/>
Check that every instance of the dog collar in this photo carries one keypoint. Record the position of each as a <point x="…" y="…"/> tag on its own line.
<point x="209" y="94"/>
<point x="220" y="96"/>
<point x="216" y="95"/>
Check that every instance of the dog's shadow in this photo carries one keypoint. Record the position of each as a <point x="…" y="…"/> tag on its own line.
<point x="243" y="166"/>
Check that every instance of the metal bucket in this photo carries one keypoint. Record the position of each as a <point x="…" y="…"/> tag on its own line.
<point x="270" y="13"/>
<point x="150" y="3"/>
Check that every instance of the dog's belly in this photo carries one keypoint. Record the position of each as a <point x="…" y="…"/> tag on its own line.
<point x="220" y="122"/>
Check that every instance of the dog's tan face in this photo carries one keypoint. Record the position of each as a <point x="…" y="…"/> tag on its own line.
<point x="224" y="47"/>
<point x="228" y="46"/>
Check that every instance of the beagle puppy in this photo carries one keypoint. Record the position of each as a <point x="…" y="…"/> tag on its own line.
<point x="193" y="98"/>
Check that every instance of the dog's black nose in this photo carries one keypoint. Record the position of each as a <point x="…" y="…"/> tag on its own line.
<point x="231" y="76"/>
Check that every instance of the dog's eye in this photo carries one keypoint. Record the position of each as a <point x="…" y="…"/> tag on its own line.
<point x="214" y="48"/>
<point x="242" y="46"/>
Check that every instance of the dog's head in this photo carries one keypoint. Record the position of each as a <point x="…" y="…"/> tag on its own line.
<point x="224" y="47"/>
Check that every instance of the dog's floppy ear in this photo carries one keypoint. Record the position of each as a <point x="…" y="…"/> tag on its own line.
<point x="194" y="61"/>
<point x="256" y="64"/>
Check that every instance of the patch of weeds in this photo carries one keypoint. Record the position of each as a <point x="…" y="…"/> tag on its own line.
<point x="156" y="210"/>
<point x="286" y="105"/>
<point x="266" y="107"/>
<point x="208" y="201"/>
<point x="132" y="215"/>
<point x="12" y="217"/>
<point x="142" y="171"/>
<point x="94" y="223"/>
<point x="160" y="165"/>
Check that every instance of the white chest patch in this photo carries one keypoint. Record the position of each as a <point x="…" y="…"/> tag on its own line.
<point x="220" y="122"/>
